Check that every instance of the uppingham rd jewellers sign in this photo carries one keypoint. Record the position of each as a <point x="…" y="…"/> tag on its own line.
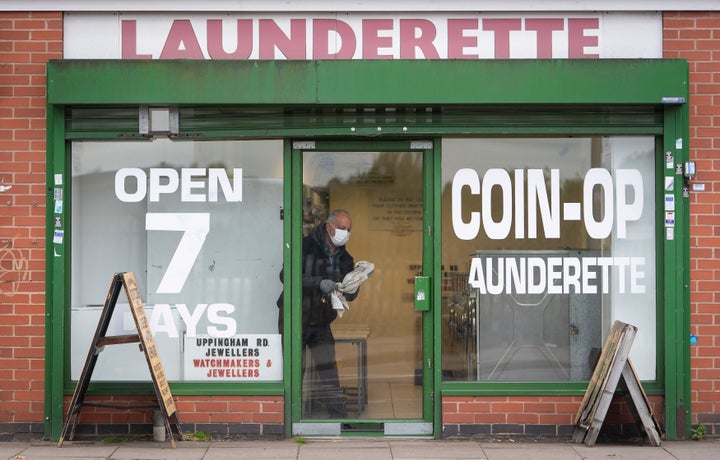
<point x="401" y="35"/>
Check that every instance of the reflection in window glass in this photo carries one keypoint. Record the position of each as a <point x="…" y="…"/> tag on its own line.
<point x="546" y="242"/>
<point x="199" y="224"/>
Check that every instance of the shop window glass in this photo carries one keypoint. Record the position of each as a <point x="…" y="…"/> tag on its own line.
<point x="545" y="243"/>
<point x="200" y="226"/>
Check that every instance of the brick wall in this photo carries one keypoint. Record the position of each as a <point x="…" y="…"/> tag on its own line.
<point x="27" y="41"/>
<point x="232" y="415"/>
<point x="223" y="417"/>
<point x="513" y="416"/>
<point x="533" y="416"/>
<point x="696" y="37"/>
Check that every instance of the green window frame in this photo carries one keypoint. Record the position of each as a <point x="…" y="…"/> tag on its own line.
<point x="351" y="100"/>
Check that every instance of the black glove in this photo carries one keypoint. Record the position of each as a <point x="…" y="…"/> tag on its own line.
<point x="327" y="286"/>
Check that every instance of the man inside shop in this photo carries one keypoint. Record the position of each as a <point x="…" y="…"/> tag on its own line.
<point x="325" y="262"/>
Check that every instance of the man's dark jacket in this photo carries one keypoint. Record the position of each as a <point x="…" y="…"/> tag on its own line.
<point x="316" y="266"/>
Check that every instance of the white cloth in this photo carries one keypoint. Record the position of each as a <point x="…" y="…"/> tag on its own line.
<point x="350" y="285"/>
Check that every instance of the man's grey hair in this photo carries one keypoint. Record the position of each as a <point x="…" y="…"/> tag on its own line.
<point x="332" y="217"/>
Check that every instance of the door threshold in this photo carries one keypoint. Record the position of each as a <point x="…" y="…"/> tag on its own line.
<point x="358" y="428"/>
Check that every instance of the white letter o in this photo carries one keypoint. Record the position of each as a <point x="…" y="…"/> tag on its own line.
<point x="140" y="179"/>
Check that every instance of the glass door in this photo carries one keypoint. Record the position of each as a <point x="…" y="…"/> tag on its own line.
<point x="358" y="317"/>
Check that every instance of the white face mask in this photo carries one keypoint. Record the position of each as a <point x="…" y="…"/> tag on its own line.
<point x="340" y="237"/>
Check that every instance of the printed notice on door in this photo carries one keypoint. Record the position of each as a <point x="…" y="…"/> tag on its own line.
<point x="395" y="210"/>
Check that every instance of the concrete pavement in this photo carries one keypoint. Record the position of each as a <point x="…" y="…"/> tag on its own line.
<point x="360" y="449"/>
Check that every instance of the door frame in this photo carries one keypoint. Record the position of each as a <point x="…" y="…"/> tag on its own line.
<point x="292" y="351"/>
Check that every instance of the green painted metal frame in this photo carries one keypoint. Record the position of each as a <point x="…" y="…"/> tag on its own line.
<point x="554" y="83"/>
<point x="677" y="285"/>
<point x="379" y="82"/>
<point x="56" y="281"/>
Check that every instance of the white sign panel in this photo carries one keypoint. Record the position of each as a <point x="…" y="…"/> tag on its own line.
<point x="303" y="36"/>
<point x="250" y="357"/>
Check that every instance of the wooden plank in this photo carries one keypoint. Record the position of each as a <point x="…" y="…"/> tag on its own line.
<point x="160" y="383"/>
<point x="118" y="339"/>
<point x="83" y="382"/>
<point x="610" y="384"/>
<point x="148" y="342"/>
<point x="599" y="375"/>
<point x="639" y="404"/>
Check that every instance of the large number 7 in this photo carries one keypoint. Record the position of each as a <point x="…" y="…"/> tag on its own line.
<point x="195" y="227"/>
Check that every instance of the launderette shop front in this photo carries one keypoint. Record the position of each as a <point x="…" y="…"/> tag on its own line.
<point x="531" y="201"/>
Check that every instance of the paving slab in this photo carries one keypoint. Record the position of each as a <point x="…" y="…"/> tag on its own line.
<point x="79" y="451"/>
<point x="11" y="449"/>
<point x="344" y="450"/>
<point x="344" y="442"/>
<point x="530" y="451"/>
<point x="420" y="449"/>
<point x="694" y="450"/>
<point x="251" y="450"/>
<point x="620" y="452"/>
<point x="159" y="452"/>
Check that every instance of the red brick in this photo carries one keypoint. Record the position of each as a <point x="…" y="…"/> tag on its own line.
<point x="556" y="419"/>
<point x="479" y="407"/>
<point x="267" y="418"/>
<point x="679" y="45"/>
<point x="273" y="406"/>
<point x="567" y="407"/>
<point x="244" y="406"/>
<point x="11" y="35"/>
<point x="30" y="69"/>
<point x="523" y="417"/>
<point x="540" y="407"/>
<point x="29" y="91"/>
<point x="131" y="416"/>
<point x="30" y="353"/>
<point x="449" y="405"/>
<point x="28" y="396"/>
<point x="455" y="417"/>
<point x="29" y="24"/>
<point x="48" y="35"/>
<point x="489" y="418"/>
<point x="709" y="22"/>
<point x="30" y="46"/>
<point x="694" y="33"/>
<point x="230" y="417"/>
<point x="507" y="407"/>
<point x="195" y="417"/>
